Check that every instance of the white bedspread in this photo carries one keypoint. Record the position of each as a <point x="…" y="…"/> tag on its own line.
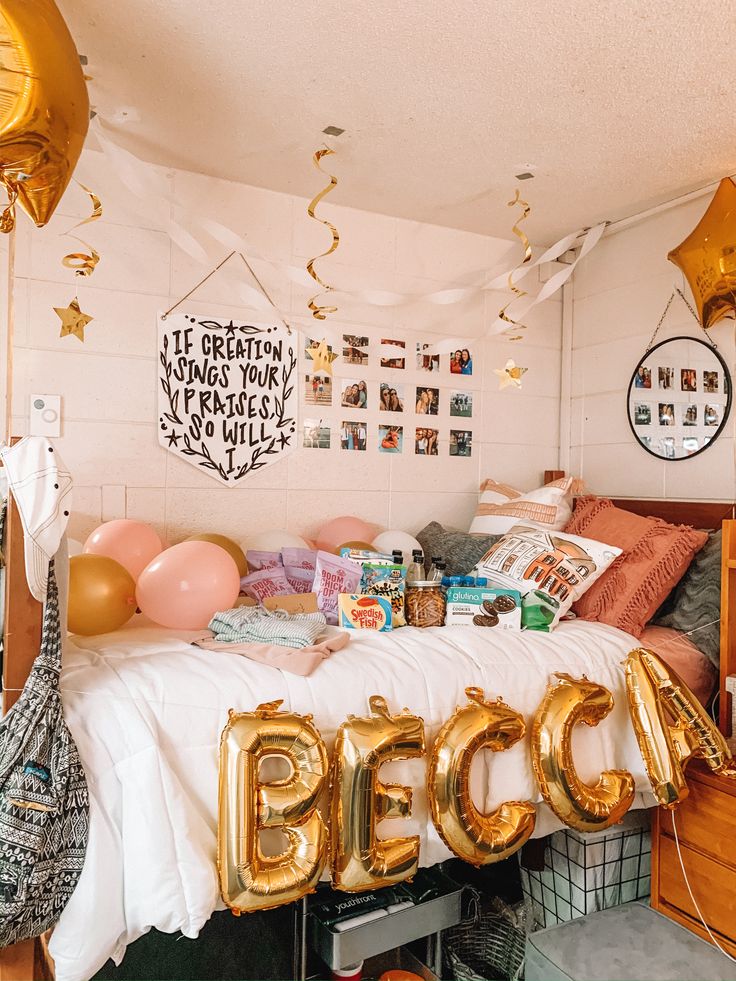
<point x="147" y="709"/>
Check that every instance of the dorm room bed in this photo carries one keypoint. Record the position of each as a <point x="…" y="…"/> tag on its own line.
<point x="146" y="710"/>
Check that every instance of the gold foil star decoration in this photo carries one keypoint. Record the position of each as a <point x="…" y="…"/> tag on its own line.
<point x="510" y="375"/>
<point x="73" y="321"/>
<point x="322" y="357"/>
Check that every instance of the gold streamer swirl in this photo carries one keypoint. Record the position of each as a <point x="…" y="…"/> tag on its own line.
<point x="319" y="312"/>
<point x="84" y="263"/>
<point x="527" y="258"/>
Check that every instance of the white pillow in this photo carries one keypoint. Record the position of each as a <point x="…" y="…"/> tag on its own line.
<point x="500" y="507"/>
<point x="551" y="570"/>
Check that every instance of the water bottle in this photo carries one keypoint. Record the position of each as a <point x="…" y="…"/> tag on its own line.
<point x="415" y="572"/>
<point x="437" y="572"/>
<point x="432" y="573"/>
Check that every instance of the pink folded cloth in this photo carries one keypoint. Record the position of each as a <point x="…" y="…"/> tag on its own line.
<point x="296" y="660"/>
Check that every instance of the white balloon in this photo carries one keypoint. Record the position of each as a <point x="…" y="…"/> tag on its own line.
<point x="388" y="541"/>
<point x="274" y="540"/>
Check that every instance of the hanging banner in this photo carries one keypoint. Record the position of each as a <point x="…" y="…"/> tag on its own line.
<point x="227" y="393"/>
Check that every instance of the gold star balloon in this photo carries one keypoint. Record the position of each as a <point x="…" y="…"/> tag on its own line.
<point x="322" y="357"/>
<point x="73" y="321"/>
<point x="509" y="375"/>
<point x="707" y="257"/>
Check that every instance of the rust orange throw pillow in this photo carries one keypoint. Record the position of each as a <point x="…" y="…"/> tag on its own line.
<point x="654" y="558"/>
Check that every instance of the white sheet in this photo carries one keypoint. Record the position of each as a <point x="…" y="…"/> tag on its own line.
<point x="146" y="710"/>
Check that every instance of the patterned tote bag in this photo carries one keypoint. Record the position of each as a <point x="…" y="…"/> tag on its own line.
<point x="44" y="803"/>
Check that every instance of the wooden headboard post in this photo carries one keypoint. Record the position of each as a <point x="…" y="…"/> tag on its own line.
<point x="23" y="613"/>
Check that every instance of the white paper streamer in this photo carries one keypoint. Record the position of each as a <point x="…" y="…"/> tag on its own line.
<point x="145" y="182"/>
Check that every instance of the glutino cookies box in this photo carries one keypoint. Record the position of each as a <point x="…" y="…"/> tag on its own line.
<point x="357" y="612"/>
<point x="483" y="606"/>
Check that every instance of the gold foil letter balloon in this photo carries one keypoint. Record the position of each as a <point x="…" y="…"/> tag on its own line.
<point x="359" y="800"/>
<point x="474" y="837"/>
<point x="44" y="108"/>
<point x="670" y="726"/>
<point x="249" y="879"/>
<point x="707" y="257"/>
<point x="578" y="805"/>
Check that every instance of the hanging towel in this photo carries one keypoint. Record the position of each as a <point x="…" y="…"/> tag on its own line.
<point x="254" y="624"/>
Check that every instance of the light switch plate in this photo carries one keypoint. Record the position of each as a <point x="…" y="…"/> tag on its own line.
<point x="45" y="415"/>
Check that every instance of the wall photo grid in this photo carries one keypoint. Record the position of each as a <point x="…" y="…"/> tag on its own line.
<point x="375" y="388"/>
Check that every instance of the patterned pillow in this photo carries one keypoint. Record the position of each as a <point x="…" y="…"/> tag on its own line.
<point x="551" y="569"/>
<point x="459" y="549"/>
<point x="695" y="603"/>
<point x="500" y="507"/>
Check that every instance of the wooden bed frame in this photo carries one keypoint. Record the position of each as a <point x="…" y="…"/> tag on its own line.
<point x="30" y="961"/>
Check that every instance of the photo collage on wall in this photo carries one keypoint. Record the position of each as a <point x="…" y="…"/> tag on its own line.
<point x="377" y="386"/>
<point x="676" y="408"/>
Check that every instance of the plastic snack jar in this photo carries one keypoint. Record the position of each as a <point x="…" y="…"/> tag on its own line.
<point x="425" y="604"/>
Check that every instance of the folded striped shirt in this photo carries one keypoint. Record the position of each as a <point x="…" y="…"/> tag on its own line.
<point x="254" y="624"/>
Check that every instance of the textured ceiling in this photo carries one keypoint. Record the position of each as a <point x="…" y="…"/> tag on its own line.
<point x="615" y="104"/>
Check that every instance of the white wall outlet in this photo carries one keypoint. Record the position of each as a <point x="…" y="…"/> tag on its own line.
<point x="45" y="415"/>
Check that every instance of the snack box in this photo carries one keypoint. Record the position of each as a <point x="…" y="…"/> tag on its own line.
<point x="483" y="606"/>
<point x="361" y="555"/>
<point x="357" y="612"/>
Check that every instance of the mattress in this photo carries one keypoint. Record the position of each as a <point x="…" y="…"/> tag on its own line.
<point x="146" y="709"/>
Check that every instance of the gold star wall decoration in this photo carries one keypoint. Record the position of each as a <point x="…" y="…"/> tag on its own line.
<point x="509" y="375"/>
<point x="73" y="321"/>
<point x="322" y="357"/>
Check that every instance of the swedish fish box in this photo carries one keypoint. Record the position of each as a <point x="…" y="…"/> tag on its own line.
<point x="363" y="612"/>
<point x="483" y="606"/>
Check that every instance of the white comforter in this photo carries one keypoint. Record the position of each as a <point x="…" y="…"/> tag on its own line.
<point x="147" y="709"/>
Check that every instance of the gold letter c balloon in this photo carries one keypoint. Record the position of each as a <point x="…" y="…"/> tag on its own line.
<point x="359" y="800"/>
<point x="474" y="837"/>
<point x="578" y="805"/>
<point x="249" y="879"/>
<point x="44" y="108"/>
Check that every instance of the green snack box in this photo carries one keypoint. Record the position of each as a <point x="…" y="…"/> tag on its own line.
<point x="483" y="606"/>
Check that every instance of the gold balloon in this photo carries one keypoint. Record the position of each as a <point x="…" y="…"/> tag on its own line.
<point x="101" y="595"/>
<point x="359" y="800"/>
<point x="707" y="257"/>
<point x="671" y="726"/>
<point x="475" y="837"/>
<point x="44" y="107"/>
<point x="249" y="879"/>
<point x="232" y="548"/>
<point x="578" y="805"/>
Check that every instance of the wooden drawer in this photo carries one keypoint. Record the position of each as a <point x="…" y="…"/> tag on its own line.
<point x="713" y="885"/>
<point x="706" y="820"/>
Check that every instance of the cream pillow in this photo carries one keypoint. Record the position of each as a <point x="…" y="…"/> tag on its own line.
<point x="500" y="507"/>
<point x="551" y="570"/>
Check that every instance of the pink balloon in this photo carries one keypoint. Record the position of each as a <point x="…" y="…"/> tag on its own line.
<point x="131" y="543"/>
<point x="346" y="529"/>
<point x="185" y="585"/>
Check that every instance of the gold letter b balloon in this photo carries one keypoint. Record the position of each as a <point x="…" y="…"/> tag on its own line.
<point x="579" y="806"/>
<point x="249" y="879"/>
<point x="474" y="837"/>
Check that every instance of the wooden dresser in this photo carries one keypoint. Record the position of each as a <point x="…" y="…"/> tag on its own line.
<point x="706" y="825"/>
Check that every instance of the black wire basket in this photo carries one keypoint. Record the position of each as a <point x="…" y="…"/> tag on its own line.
<point x="489" y="945"/>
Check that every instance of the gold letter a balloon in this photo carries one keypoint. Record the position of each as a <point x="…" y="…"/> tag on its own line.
<point x="707" y="257"/>
<point x="44" y="108"/>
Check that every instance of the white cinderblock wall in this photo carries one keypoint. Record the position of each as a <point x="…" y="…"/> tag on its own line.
<point x="108" y="384"/>
<point x="620" y="291"/>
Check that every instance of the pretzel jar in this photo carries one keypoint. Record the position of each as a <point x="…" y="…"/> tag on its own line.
<point x="425" y="604"/>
